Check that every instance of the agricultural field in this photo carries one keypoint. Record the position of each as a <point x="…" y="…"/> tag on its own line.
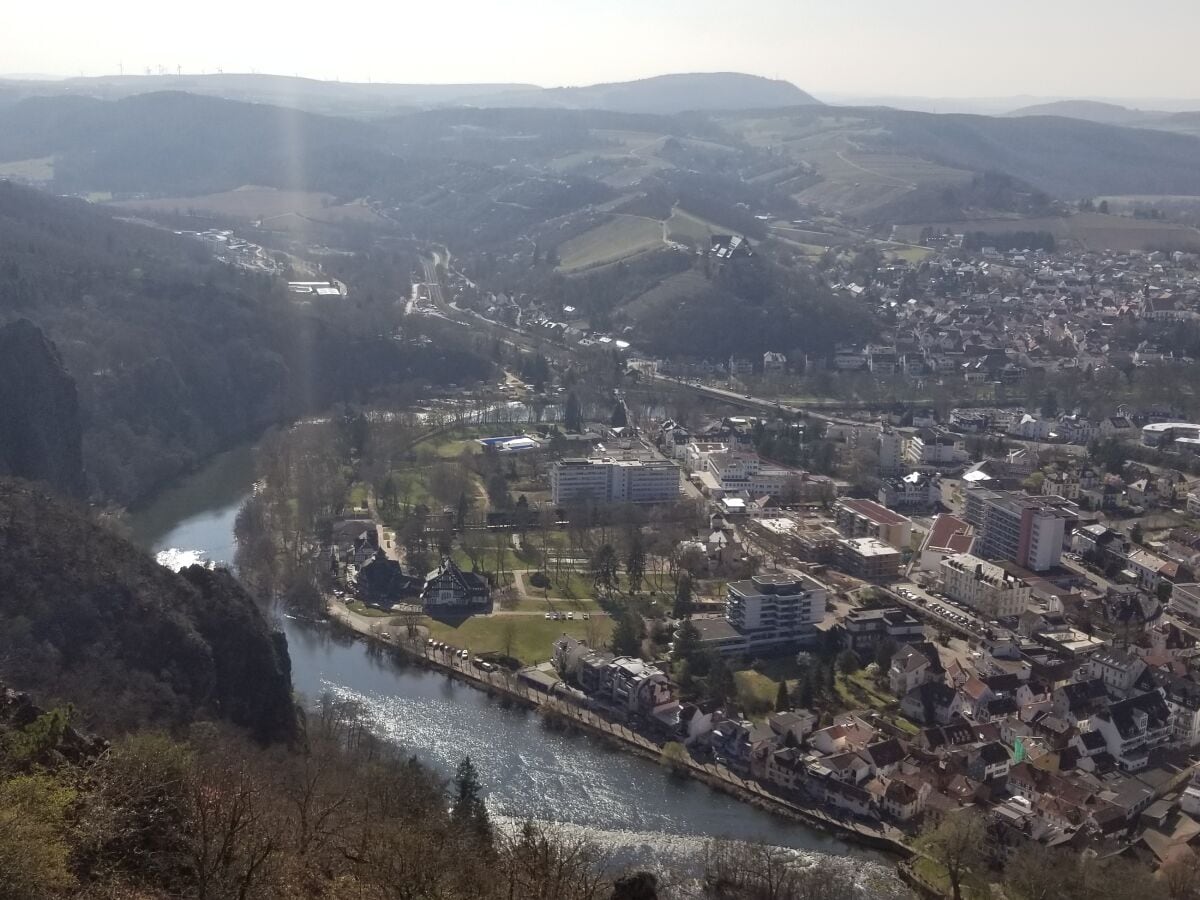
<point x="619" y="238"/>
<point x="35" y="171"/>
<point x="687" y="228"/>
<point x="275" y="208"/>
<point x="670" y="293"/>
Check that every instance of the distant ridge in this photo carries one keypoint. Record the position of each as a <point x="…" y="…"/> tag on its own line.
<point x="662" y="94"/>
<point x="1089" y="111"/>
<point x="666" y="94"/>
<point x="1114" y="114"/>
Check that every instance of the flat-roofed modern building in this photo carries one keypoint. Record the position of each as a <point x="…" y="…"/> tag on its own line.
<point x="1185" y="600"/>
<point x="865" y="628"/>
<point x="869" y="559"/>
<point x="1015" y="526"/>
<point x="866" y="518"/>
<point x="607" y="480"/>
<point x="766" y="613"/>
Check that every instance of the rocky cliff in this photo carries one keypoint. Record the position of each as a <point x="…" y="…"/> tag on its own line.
<point x="41" y="437"/>
<point x="87" y="618"/>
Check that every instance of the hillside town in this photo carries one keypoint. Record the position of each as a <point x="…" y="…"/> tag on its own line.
<point x="887" y="615"/>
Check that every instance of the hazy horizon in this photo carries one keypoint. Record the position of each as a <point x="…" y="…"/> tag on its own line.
<point x="1066" y="49"/>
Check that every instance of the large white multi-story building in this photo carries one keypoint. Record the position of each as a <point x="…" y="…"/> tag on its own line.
<point x="930" y="448"/>
<point x="891" y="452"/>
<point x="985" y="587"/>
<point x="766" y="612"/>
<point x="734" y="471"/>
<point x="607" y="480"/>
<point x="1014" y="526"/>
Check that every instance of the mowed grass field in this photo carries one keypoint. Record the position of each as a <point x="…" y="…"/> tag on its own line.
<point x="619" y="238"/>
<point x="533" y="637"/>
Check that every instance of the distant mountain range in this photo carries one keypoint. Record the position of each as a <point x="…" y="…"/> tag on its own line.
<point x="663" y="94"/>
<point x="175" y="143"/>
<point x="1115" y="114"/>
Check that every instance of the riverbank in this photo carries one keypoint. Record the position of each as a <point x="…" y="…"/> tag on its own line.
<point x="506" y="684"/>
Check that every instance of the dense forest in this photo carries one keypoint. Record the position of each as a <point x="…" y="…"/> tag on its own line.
<point x="209" y="816"/>
<point x="175" y="355"/>
<point x="87" y="619"/>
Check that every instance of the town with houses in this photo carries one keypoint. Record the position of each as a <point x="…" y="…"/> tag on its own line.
<point x="1011" y="595"/>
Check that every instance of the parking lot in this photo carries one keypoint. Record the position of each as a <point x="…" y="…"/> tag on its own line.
<point x="942" y="611"/>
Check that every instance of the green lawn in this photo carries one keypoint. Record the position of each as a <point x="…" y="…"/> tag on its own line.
<point x="411" y="487"/>
<point x="357" y="606"/>
<point x="536" y="603"/>
<point x="936" y="875"/>
<point x="452" y="449"/>
<point x="756" y="692"/>
<point x="487" y="558"/>
<point x="860" y="689"/>
<point x="533" y="636"/>
<point x="358" y="495"/>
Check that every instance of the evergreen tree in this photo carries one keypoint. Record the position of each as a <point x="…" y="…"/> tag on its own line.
<point x="464" y="506"/>
<point x="782" y="701"/>
<point x="1049" y="404"/>
<point x="468" y="810"/>
<point x="682" y="608"/>
<point x="721" y="685"/>
<point x="635" y="562"/>
<point x="884" y="651"/>
<point x="687" y="641"/>
<point x="619" y="417"/>
<point x="573" y="417"/>
<point x="848" y="662"/>
<point x="807" y="696"/>
<point x="627" y="635"/>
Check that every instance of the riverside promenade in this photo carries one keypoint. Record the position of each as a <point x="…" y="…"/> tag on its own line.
<point x="505" y="683"/>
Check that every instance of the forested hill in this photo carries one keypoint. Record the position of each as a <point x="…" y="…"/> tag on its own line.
<point x="177" y="356"/>
<point x="41" y="437"/>
<point x="87" y="618"/>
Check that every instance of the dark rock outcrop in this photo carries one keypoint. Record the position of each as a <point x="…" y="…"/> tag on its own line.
<point x="41" y="437"/>
<point x="87" y="618"/>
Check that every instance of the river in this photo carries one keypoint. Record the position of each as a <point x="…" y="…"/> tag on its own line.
<point x="629" y="804"/>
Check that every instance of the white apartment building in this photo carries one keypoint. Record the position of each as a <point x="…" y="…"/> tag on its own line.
<point x="733" y="471"/>
<point x="1014" y="526"/>
<point x="607" y="480"/>
<point x="985" y="587"/>
<point x="1185" y="599"/>
<point x="928" y="448"/>
<point x="766" y="612"/>
<point x="891" y="452"/>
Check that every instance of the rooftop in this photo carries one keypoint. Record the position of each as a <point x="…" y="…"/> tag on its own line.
<point x="881" y="515"/>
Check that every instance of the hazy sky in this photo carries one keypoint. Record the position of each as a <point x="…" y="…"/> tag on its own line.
<point x="925" y="47"/>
